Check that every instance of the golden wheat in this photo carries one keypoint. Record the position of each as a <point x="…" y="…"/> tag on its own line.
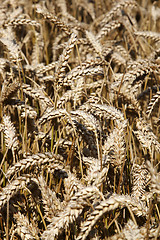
<point x="79" y="112"/>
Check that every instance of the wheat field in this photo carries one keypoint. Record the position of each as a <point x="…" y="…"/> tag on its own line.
<point x="79" y="119"/>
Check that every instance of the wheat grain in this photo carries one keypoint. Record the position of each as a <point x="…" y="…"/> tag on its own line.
<point x="105" y="206"/>
<point x="117" y="10"/>
<point x="10" y="190"/>
<point x="71" y="211"/>
<point x="8" y="91"/>
<point x="25" y="229"/>
<point x="11" y="139"/>
<point x="33" y="161"/>
<point x="153" y="102"/>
